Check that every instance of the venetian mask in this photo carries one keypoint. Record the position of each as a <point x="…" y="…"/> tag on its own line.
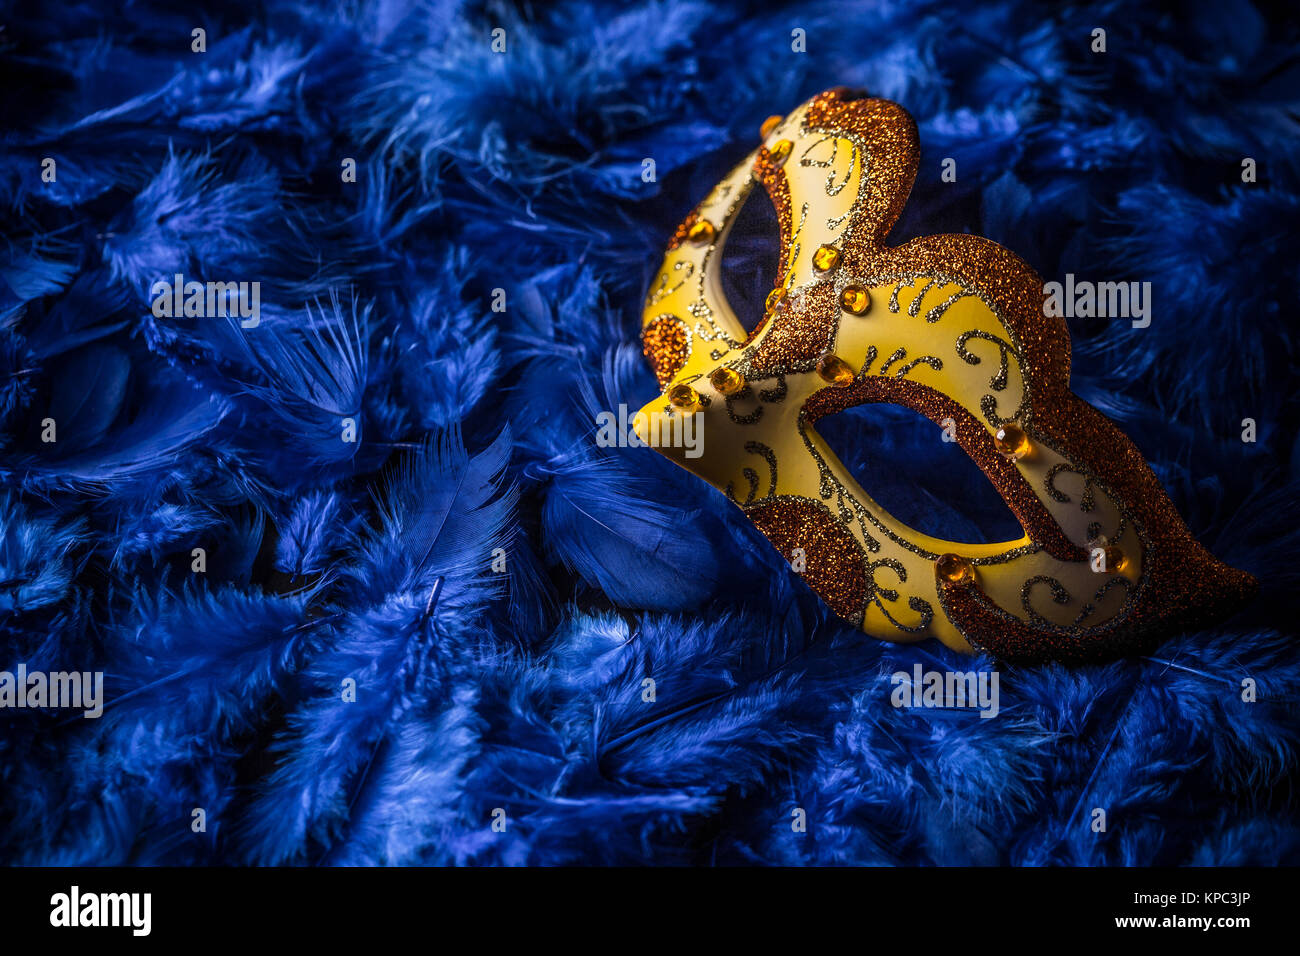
<point x="953" y="327"/>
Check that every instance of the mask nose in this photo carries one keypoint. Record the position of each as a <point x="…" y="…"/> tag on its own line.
<point x="676" y="433"/>
<point x="643" y="422"/>
<point x="687" y="414"/>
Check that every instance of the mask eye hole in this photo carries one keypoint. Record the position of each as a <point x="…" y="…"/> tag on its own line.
<point x="900" y="459"/>
<point x="751" y="257"/>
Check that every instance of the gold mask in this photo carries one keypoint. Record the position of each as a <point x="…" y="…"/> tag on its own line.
<point x="950" y="326"/>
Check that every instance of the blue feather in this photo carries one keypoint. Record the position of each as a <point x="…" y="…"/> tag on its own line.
<point x="411" y="582"/>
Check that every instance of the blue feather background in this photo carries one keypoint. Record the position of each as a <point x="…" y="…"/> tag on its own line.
<point x="484" y="693"/>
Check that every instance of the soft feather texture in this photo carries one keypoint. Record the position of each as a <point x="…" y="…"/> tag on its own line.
<point x="523" y="693"/>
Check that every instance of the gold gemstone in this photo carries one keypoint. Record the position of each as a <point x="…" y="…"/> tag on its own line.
<point x="774" y="298"/>
<point x="834" y="369"/>
<point x="826" y="258"/>
<point x="702" y="233"/>
<point x="780" y="151"/>
<point x="684" y="397"/>
<point x="954" y="569"/>
<point x="1012" y="442"/>
<point x="727" y="381"/>
<point x="855" y="299"/>
<point x="1114" y="560"/>
<point x="769" y="124"/>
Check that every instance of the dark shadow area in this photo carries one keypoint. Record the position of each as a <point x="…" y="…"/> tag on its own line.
<point x="900" y="459"/>
<point x="750" y="258"/>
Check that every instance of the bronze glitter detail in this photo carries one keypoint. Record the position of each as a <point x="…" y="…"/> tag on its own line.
<point x="666" y="342"/>
<point x="683" y="228"/>
<point x="771" y="175"/>
<point x="1187" y="602"/>
<point x="799" y="334"/>
<point x="835" y="562"/>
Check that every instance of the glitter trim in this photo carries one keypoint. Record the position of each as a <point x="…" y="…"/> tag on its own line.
<point x="666" y="342"/>
<point x="836" y="564"/>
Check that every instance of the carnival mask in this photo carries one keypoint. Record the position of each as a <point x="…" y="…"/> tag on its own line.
<point x="953" y="327"/>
